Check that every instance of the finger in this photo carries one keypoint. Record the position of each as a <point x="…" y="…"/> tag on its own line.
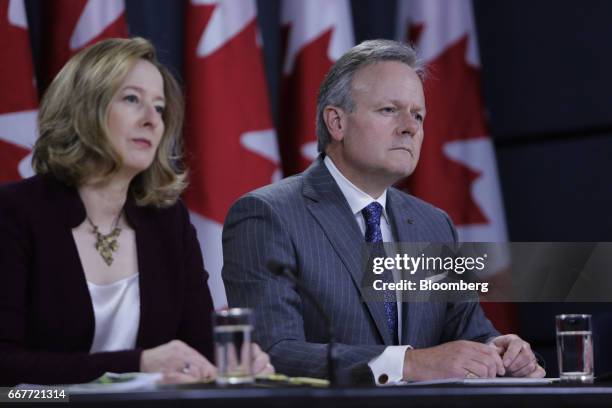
<point x="199" y="366"/>
<point x="269" y="369"/>
<point x="539" y="372"/>
<point x="175" y="377"/>
<point x="260" y="361"/>
<point x="512" y="351"/>
<point x="500" y="341"/>
<point x="232" y="357"/>
<point x="482" y="354"/>
<point x="209" y="373"/>
<point x="488" y="371"/>
<point x="485" y="358"/>
<point x="476" y="367"/>
<point x="525" y="370"/>
<point x="498" y="349"/>
<point x="256" y="349"/>
<point x="523" y="359"/>
<point x="492" y="359"/>
<point x="192" y="369"/>
<point x="206" y="370"/>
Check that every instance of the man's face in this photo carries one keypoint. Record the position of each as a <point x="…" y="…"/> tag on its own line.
<point x="382" y="137"/>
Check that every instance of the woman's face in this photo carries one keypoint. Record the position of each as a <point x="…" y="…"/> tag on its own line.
<point x="135" y="122"/>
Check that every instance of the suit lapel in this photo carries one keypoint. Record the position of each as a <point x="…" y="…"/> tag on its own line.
<point x="149" y="258"/>
<point x="328" y="206"/>
<point x="405" y="229"/>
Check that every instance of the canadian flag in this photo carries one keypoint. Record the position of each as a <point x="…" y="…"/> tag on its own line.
<point x="230" y="139"/>
<point x="457" y="170"/>
<point x="18" y="96"/>
<point x="71" y="25"/>
<point x="315" y="34"/>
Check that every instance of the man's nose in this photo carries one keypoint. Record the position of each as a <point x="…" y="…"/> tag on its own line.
<point x="409" y="125"/>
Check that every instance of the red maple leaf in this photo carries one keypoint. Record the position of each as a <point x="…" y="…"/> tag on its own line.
<point x="455" y="112"/>
<point x="16" y="73"/>
<point x="60" y="20"/>
<point x="17" y="91"/>
<point x="10" y="156"/>
<point x="298" y="107"/>
<point x="226" y="97"/>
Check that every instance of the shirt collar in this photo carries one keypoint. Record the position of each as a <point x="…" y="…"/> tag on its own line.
<point x="357" y="199"/>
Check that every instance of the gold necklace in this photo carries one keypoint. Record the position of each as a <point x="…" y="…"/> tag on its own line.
<point x="106" y="244"/>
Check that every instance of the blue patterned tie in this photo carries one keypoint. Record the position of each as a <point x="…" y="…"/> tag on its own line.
<point x="371" y="215"/>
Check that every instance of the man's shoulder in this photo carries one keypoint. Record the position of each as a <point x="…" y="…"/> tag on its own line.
<point x="432" y="218"/>
<point x="416" y="203"/>
<point x="280" y="192"/>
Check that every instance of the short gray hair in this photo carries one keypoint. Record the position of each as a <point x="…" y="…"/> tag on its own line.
<point x="336" y="87"/>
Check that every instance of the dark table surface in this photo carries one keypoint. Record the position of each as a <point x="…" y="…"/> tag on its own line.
<point x="455" y="395"/>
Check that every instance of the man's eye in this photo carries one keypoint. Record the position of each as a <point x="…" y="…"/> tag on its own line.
<point x="160" y="109"/>
<point x="388" y="109"/>
<point x="131" y="98"/>
<point x="418" y="117"/>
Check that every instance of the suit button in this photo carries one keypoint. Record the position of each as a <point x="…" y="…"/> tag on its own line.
<point x="383" y="378"/>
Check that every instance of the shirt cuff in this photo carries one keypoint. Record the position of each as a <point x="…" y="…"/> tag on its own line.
<point x="388" y="368"/>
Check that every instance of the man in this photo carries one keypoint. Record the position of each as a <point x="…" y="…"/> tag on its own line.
<point x="370" y="114"/>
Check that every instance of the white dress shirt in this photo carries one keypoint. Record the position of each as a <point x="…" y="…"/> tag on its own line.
<point x="388" y="368"/>
<point x="117" y="314"/>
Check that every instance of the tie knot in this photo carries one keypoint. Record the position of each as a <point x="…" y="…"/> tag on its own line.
<point x="372" y="212"/>
<point x="371" y="215"/>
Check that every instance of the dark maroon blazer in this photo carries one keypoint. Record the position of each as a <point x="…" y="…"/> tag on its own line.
<point x="46" y="313"/>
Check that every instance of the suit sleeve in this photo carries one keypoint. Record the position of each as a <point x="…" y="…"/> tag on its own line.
<point x="195" y="328"/>
<point x="252" y="236"/>
<point x="19" y="364"/>
<point x="466" y="320"/>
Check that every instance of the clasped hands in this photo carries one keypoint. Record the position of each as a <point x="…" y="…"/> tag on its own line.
<point x="180" y="363"/>
<point x="506" y="355"/>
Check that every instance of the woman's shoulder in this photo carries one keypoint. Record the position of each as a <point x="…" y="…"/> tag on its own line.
<point x="23" y="191"/>
<point x="17" y="202"/>
<point x="35" y="194"/>
<point x="37" y="184"/>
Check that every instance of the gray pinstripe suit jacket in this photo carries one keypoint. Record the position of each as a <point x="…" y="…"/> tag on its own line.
<point x="305" y="222"/>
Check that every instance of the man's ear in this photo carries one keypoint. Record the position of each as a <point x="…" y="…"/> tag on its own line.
<point x="335" y="120"/>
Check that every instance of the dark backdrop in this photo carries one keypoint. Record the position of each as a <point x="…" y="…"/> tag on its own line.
<point x="547" y="76"/>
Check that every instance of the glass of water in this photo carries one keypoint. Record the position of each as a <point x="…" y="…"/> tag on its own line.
<point x="575" y="348"/>
<point x="232" y="329"/>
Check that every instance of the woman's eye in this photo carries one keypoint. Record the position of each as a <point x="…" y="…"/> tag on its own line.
<point x="131" y="98"/>
<point x="160" y="109"/>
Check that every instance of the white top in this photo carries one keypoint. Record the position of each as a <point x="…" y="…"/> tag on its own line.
<point x="117" y="314"/>
<point x="391" y="362"/>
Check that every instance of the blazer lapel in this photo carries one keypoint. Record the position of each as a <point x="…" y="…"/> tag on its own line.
<point x="328" y="206"/>
<point x="406" y="230"/>
<point x="148" y="279"/>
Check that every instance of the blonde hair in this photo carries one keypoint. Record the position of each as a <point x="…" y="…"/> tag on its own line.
<point x="73" y="143"/>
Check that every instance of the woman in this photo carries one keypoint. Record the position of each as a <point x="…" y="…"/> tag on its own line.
<point x="101" y="269"/>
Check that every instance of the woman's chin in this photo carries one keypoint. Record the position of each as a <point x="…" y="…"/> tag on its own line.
<point x="135" y="168"/>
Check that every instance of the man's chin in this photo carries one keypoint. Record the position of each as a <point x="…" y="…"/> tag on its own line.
<point x="403" y="171"/>
<point x="397" y="176"/>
